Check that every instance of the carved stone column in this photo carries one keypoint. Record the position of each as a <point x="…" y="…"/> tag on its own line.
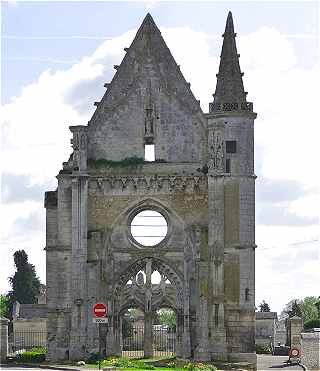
<point x="148" y="314"/>
<point x="110" y="336"/>
<point x="117" y="335"/>
<point x="180" y="334"/>
<point x="79" y="279"/>
<point x="216" y="170"/>
<point x="202" y="349"/>
<point x="79" y="267"/>
<point x="93" y="272"/>
<point x="186" y="344"/>
<point x="4" y="339"/>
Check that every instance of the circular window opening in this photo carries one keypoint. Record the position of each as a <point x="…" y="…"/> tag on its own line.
<point x="149" y="228"/>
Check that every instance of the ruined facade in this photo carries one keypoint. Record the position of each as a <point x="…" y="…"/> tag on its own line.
<point x="202" y="182"/>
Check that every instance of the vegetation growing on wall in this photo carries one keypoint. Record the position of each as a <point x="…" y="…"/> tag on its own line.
<point x="127" y="162"/>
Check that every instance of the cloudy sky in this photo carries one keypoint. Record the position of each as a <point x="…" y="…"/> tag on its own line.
<point x="55" y="58"/>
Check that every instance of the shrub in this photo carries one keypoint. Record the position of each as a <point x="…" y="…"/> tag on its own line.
<point x="40" y="350"/>
<point x="94" y="358"/>
<point x="32" y="357"/>
<point x="263" y="349"/>
<point x="123" y="362"/>
<point x="118" y="362"/>
<point x="171" y="365"/>
<point x="199" y="367"/>
<point x="312" y="323"/>
<point x="143" y="365"/>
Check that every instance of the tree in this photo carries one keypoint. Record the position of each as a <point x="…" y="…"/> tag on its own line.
<point x="167" y="317"/>
<point x="264" y="307"/>
<point x="4" y="306"/>
<point x="25" y="282"/>
<point x="295" y="309"/>
<point x="317" y="304"/>
<point x="309" y="309"/>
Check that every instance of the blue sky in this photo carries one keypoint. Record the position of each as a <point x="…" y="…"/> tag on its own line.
<point x="66" y="24"/>
<point x="55" y="57"/>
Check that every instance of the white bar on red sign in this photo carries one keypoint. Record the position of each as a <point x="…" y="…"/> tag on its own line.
<point x="100" y="320"/>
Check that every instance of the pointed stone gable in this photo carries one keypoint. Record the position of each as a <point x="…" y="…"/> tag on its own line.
<point x="147" y="102"/>
<point x="230" y="94"/>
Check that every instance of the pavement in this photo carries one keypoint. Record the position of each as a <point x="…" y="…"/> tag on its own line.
<point x="273" y="363"/>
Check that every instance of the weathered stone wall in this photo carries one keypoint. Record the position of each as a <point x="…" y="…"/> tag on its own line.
<point x="58" y="269"/>
<point x="266" y="328"/>
<point x="25" y="325"/>
<point x="296" y="326"/>
<point x="3" y="339"/>
<point x="310" y="350"/>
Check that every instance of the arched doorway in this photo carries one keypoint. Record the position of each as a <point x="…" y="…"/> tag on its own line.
<point x="164" y="332"/>
<point x="144" y="290"/>
<point x="132" y="333"/>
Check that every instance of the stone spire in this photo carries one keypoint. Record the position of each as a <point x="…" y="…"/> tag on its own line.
<point x="229" y="94"/>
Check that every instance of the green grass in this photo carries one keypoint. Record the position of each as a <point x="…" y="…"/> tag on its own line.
<point x="156" y="368"/>
<point x="133" y="369"/>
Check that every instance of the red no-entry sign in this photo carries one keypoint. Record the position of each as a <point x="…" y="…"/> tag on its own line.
<point x="100" y="310"/>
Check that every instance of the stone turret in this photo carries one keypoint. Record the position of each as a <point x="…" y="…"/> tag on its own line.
<point x="231" y="197"/>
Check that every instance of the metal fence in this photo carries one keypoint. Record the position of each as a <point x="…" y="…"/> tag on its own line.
<point x="164" y="339"/>
<point x="27" y="340"/>
<point x="132" y="342"/>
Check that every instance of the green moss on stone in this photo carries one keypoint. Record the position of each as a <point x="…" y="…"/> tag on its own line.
<point x="204" y="288"/>
<point x="127" y="162"/>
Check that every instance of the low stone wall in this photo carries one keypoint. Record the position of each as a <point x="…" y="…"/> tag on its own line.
<point x="310" y="350"/>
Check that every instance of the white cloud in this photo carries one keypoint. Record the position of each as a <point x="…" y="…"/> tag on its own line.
<point x="151" y="4"/>
<point x="36" y="138"/>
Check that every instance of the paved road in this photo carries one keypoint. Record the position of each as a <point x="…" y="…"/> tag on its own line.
<point x="273" y="363"/>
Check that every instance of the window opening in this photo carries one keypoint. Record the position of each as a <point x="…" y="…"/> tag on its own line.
<point x="247" y="292"/>
<point x="228" y="165"/>
<point x="149" y="152"/>
<point x="149" y="228"/>
<point x="231" y="146"/>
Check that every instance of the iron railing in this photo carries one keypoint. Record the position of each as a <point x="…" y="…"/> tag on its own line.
<point x="163" y="340"/>
<point x="26" y="340"/>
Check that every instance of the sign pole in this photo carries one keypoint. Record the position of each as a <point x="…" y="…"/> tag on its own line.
<point x="100" y="311"/>
<point x="99" y="332"/>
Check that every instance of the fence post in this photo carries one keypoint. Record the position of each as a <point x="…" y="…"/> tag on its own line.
<point x="3" y="338"/>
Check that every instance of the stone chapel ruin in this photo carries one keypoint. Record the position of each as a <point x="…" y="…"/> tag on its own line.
<point x="201" y="184"/>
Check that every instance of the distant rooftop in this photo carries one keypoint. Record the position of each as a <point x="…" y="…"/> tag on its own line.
<point x="30" y="311"/>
